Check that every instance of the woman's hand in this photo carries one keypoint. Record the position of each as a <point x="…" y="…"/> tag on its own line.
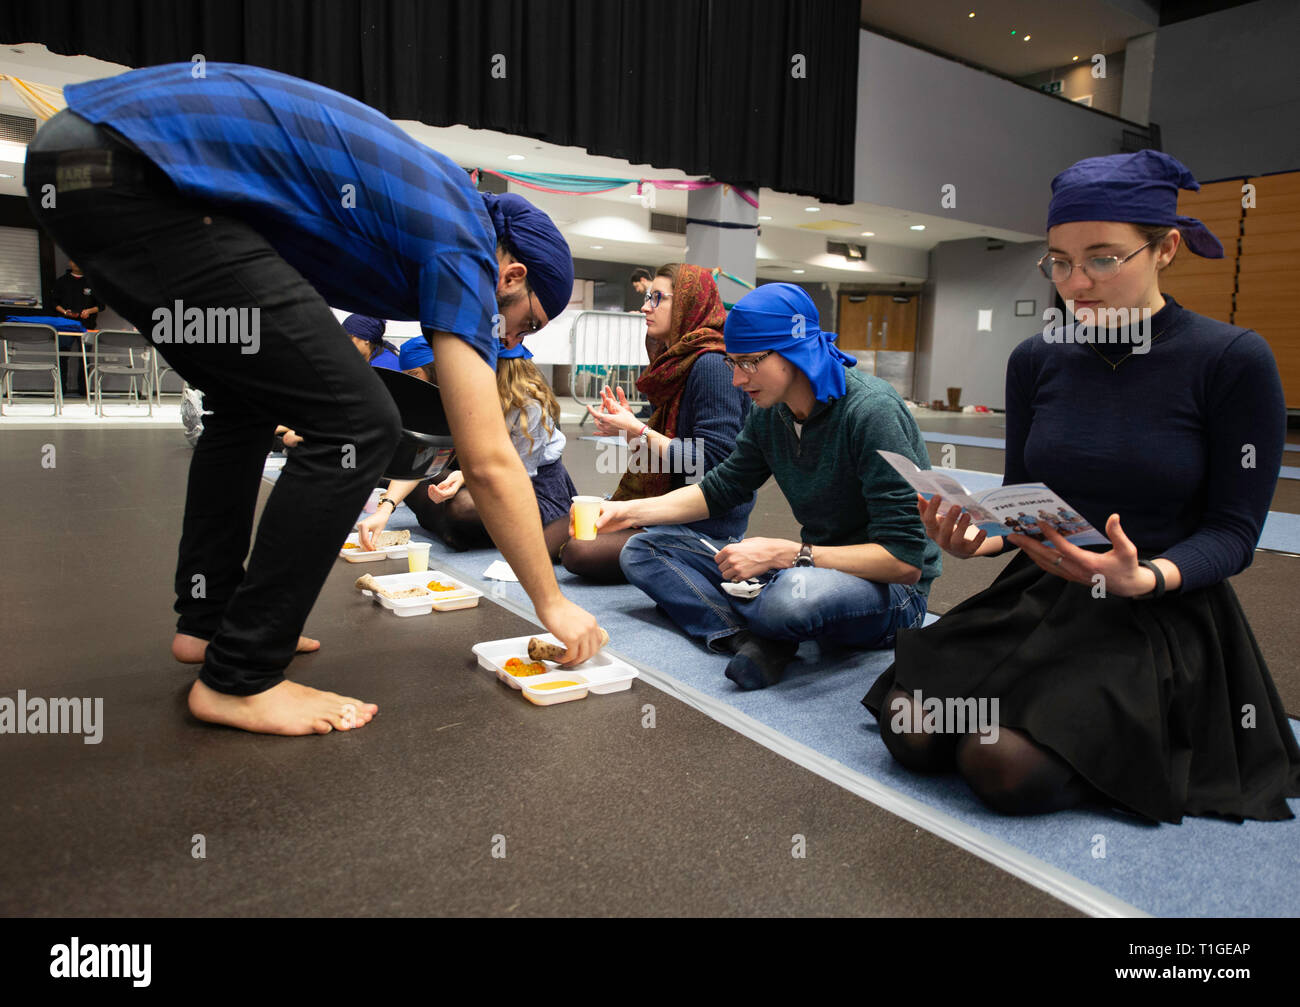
<point x="291" y="439"/>
<point x="753" y="556"/>
<point x="1118" y="568"/>
<point x="371" y="526"/>
<point x="950" y="530"/>
<point x="614" y="516"/>
<point x="614" y="416"/>
<point x="448" y="488"/>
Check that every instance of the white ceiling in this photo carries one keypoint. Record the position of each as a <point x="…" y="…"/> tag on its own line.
<point x="614" y="221"/>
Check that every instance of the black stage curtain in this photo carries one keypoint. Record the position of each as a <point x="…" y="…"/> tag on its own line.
<point x="713" y="87"/>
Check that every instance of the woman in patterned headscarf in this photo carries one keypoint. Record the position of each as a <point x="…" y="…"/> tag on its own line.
<point x="697" y="414"/>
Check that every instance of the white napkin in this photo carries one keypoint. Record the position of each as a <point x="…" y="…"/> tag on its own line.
<point x="500" y="570"/>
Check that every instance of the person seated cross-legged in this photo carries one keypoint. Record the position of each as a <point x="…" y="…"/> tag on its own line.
<point x="864" y="566"/>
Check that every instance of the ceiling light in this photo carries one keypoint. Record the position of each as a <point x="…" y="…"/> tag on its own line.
<point x="971" y="14"/>
<point x="812" y="209"/>
<point x="918" y="227"/>
<point x="798" y="270"/>
<point x="635" y="195"/>
<point x="764" y="218"/>
<point x="13" y="152"/>
<point x="514" y="157"/>
<point x="1028" y="37"/>
<point x="5" y="174"/>
<point x="597" y="248"/>
<point x="868" y="234"/>
<point x="1074" y="59"/>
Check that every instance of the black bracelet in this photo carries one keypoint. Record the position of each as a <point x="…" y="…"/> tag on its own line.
<point x="384" y="500"/>
<point x="1159" y="589"/>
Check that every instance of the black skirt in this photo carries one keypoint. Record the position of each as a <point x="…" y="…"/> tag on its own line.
<point x="1166" y="706"/>
<point x="555" y="491"/>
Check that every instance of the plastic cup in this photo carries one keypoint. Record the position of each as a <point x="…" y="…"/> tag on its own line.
<point x="417" y="556"/>
<point x="585" y="512"/>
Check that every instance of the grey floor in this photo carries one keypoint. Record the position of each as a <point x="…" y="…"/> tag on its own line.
<point x="599" y="815"/>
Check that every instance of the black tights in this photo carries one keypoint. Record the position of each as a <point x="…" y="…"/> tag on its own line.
<point x="597" y="559"/>
<point x="457" y="523"/>
<point x="1013" y="775"/>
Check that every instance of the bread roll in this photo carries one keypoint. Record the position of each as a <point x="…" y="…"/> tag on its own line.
<point x="540" y="650"/>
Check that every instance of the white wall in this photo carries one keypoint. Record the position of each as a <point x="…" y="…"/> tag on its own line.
<point x="967" y="277"/>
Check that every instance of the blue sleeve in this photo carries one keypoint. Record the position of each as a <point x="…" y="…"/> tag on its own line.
<point x="713" y="412"/>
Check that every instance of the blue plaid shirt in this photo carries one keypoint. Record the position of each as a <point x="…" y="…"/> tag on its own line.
<point x="378" y="223"/>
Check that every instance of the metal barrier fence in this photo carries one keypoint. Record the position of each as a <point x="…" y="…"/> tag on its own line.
<point x="608" y="348"/>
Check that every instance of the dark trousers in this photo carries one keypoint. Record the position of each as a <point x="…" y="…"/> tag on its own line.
<point x="146" y="246"/>
<point x="70" y="372"/>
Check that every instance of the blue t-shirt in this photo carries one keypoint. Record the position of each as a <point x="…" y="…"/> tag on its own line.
<point x="378" y="223"/>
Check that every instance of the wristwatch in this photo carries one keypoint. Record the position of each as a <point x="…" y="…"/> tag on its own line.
<point x="386" y="500"/>
<point x="805" y="556"/>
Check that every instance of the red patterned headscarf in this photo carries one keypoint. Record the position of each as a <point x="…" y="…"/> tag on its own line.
<point x="695" y="328"/>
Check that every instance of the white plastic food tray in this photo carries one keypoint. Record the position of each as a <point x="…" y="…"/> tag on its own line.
<point x="442" y="601"/>
<point x="601" y="674"/>
<point x="359" y="555"/>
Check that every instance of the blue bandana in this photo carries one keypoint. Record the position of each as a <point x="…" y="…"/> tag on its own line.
<point x="519" y="351"/>
<point x="415" y="353"/>
<point x="534" y="240"/>
<point x="369" y="329"/>
<point x="782" y="317"/>
<point x="1139" y="188"/>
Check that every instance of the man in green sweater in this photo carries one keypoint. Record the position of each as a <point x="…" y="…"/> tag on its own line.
<point x="864" y="566"/>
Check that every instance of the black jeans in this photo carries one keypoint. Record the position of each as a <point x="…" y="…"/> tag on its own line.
<point x="145" y="247"/>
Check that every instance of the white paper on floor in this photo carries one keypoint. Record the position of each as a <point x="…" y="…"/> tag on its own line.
<point x="500" y="570"/>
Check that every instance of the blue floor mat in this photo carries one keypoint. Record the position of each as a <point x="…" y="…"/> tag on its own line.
<point x="1203" y="867"/>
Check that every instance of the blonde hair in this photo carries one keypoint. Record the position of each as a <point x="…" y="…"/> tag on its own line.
<point x="520" y="382"/>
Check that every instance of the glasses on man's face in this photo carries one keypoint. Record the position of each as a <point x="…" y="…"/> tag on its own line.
<point x="533" y="323"/>
<point x="654" y="298"/>
<point x="749" y="365"/>
<point x="1099" y="267"/>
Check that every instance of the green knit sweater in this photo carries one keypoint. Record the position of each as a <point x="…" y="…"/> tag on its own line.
<point x="840" y="490"/>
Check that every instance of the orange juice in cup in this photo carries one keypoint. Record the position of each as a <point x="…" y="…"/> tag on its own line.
<point x="585" y="512"/>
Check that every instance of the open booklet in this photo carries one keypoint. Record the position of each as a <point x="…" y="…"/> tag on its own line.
<point x="1022" y="509"/>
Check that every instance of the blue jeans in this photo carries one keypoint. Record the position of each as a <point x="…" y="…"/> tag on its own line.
<point x="678" y="571"/>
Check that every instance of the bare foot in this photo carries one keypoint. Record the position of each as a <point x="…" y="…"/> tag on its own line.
<point x="190" y="649"/>
<point x="288" y="708"/>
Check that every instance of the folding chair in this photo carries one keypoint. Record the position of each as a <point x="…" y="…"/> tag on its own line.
<point x="110" y="347"/>
<point x="28" y="339"/>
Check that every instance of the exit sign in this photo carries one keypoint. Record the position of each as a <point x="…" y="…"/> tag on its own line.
<point x="1053" y="88"/>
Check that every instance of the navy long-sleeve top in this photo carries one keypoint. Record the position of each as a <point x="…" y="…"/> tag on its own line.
<point x="1184" y="442"/>
<point x="712" y="413"/>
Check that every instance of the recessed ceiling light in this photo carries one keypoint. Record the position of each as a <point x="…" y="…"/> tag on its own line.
<point x="635" y="195"/>
<point x="812" y="209"/>
<point x="798" y="270"/>
<point x="4" y="174"/>
<point x="764" y="218"/>
<point x="597" y="248"/>
<point x="918" y="227"/>
<point x="1073" y="59"/>
<point x="1028" y="37"/>
<point x="971" y="14"/>
<point x="868" y="234"/>
<point x="514" y="157"/>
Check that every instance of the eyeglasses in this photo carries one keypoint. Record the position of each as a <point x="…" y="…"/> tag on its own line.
<point x="656" y="297"/>
<point x="749" y="366"/>
<point x="533" y="323"/>
<point x="1100" y="267"/>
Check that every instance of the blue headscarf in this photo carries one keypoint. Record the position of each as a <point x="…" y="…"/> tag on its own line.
<point x="782" y="317"/>
<point x="532" y="238"/>
<point x="1139" y="188"/>
<point x="519" y="351"/>
<point x="415" y="353"/>
<point x="369" y="329"/>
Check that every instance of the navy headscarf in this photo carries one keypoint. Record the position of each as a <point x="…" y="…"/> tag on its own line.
<point x="1139" y="188"/>
<point x="363" y="327"/>
<point x="532" y="238"/>
<point x="415" y="353"/>
<point x="782" y="317"/>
